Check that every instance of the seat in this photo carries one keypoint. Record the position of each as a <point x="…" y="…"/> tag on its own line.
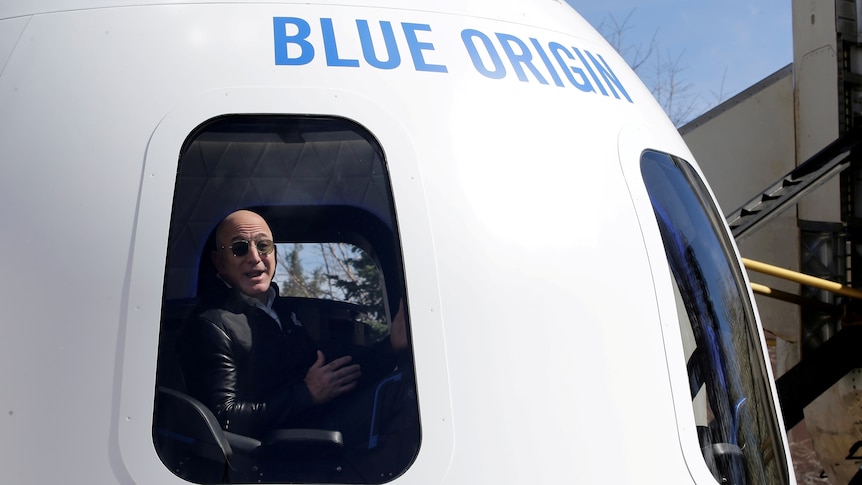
<point x="191" y="443"/>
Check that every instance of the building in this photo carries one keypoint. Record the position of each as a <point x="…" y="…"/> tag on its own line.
<point x="763" y="153"/>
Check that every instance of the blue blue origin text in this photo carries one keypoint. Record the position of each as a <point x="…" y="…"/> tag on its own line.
<point x="493" y="56"/>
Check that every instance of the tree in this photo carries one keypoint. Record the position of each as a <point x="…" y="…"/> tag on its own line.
<point x="662" y="73"/>
<point x="298" y="282"/>
<point x="362" y="284"/>
<point x="671" y="90"/>
<point x="339" y="272"/>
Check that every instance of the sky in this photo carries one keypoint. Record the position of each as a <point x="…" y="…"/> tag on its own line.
<point x="722" y="47"/>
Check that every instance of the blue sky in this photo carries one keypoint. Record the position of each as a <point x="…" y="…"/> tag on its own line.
<point x="723" y="46"/>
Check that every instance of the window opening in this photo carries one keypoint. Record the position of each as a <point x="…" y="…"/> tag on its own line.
<point x="737" y="427"/>
<point x="233" y="400"/>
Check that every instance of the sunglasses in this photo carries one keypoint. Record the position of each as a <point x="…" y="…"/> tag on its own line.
<point x="241" y="247"/>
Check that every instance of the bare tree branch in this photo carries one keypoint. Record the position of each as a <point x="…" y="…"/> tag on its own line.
<point x="637" y="55"/>
<point x="664" y="79"/>
<point x="671" y="90"/>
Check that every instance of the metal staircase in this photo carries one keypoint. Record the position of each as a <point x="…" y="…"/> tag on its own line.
<point x="803" y="179"/>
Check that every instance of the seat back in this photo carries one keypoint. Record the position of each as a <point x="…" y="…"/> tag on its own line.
<point x="189" y="439"/>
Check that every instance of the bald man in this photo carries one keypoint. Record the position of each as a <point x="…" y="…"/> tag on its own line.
<point x="248" y="358"/>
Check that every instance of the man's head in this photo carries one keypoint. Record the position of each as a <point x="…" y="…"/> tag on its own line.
<point x="241" y="239"/>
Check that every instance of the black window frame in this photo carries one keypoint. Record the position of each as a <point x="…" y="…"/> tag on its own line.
<point x="334" y="209"/>
<point x="729" y="382"/>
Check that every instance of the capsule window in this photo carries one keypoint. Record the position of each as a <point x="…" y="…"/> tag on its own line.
<point x="287" y="362"/>
<point x="737" y="426"/>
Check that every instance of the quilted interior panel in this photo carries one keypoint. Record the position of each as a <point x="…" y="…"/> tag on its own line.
<point x="222" y="171"/>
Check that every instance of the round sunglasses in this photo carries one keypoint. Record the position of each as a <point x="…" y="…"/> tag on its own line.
<point x="241" y="247"/>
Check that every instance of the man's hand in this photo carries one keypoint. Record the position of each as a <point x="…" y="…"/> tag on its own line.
<point x="328" y="381"/>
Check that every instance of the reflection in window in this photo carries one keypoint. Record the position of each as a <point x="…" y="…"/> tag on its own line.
<point x="737" y="427"/>
<point x="322" y="185"/>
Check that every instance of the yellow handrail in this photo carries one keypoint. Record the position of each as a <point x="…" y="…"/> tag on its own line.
<point x="801" y="278"/>
<point x="793" y="298"/>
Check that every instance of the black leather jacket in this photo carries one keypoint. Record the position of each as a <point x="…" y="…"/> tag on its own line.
<point x="250" y="372"/>
<point x="238" y="361"/>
